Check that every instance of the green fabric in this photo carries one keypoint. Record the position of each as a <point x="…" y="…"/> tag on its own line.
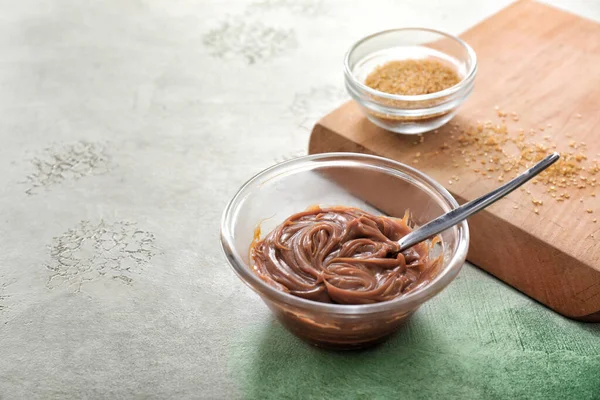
<point x="477" y="339"/>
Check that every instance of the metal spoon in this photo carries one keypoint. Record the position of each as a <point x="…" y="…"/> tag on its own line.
<point x="463" y="212"/>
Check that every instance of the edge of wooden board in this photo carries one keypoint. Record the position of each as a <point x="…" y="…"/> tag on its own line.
<point x="541" y="272"/>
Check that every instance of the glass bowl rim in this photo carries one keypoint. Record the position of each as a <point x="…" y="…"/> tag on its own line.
<point x="420" y="97"/>
<point x="419" y="296"/>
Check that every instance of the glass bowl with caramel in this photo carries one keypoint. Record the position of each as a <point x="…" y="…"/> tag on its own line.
<point x="316" y="236"/>
<point x="410" y="80"/>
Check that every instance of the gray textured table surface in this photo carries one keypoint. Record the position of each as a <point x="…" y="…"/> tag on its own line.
<point x="126" y="127"/>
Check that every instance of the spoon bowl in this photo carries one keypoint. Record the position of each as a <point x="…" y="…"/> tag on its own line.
<point x="330" y="179"/>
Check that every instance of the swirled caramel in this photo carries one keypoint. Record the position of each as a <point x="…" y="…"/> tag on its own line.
<point x="342" y="255"/>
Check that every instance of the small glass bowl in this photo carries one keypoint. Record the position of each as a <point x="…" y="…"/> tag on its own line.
<point x="409" y="114"/>
<point x="374" y="184"/>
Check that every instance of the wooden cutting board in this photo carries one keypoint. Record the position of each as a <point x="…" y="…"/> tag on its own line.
<point x="544" y="65"/>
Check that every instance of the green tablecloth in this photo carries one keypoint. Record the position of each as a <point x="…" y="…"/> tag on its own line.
<point x="477" y="339"/>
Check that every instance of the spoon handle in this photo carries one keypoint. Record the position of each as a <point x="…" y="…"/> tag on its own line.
<point x="463" y="212"/>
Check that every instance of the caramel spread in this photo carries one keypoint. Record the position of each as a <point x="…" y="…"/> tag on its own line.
<point x="342" y="255"/>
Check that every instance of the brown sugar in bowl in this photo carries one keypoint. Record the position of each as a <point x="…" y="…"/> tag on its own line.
<point x="413" y="107"/>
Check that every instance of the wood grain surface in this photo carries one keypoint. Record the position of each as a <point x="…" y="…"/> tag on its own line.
<point x="541" y="64"/>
